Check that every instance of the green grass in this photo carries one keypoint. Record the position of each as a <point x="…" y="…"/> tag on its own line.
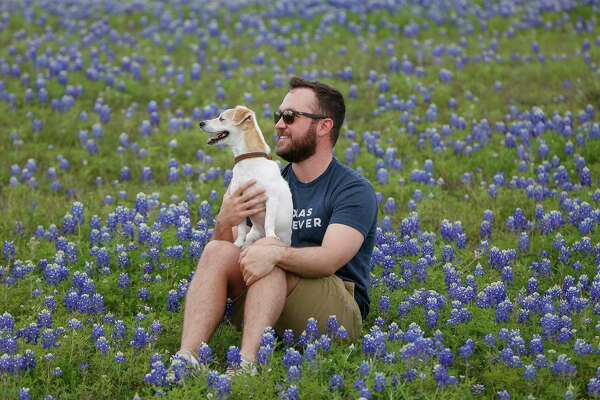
<point x="524" y="85"/>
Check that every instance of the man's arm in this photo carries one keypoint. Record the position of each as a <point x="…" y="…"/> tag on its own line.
<point x="340" y="244"/>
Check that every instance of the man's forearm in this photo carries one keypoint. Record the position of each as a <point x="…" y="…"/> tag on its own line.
<point x="222" y="232"/>
<point x="307" y="262"/>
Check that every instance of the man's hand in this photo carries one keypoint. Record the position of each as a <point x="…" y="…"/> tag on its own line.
<point x="241" y="204"/>
<point x="259" y="259"/>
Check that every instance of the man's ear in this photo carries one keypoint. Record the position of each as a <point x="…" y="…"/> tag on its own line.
<point x="241" y="115"/>
<point x="326" y="125"/>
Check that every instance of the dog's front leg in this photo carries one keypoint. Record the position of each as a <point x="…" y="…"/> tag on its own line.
<point x="242" y="231"/>
<point x="252" y="236"/>
<point x="270" y="216"/>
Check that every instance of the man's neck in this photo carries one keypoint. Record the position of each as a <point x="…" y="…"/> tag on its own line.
<point x="310" y="169"/>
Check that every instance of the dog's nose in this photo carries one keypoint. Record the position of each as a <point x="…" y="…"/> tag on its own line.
<point x="201" y="123"/>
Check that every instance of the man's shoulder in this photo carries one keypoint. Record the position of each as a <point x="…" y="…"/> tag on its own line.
<point x="351" y="178"/>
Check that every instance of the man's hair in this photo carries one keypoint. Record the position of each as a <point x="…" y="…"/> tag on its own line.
<point x="331" y="102"/>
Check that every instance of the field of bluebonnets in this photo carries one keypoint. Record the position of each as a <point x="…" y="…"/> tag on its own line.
<point x="476" y="122"/>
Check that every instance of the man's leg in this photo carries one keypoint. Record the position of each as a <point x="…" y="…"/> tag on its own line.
<point x="217" y="275"/>
<point x="265" y="300"/>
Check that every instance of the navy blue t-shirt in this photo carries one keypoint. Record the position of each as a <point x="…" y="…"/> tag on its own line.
<point x="338" y="196"/>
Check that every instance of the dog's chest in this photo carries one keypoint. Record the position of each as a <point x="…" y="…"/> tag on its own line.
<point x="257" y="169"/>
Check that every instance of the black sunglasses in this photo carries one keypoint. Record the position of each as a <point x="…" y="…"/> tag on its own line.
<point x="290" y="115"/>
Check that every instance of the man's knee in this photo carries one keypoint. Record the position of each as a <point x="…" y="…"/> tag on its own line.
<point x="219" y="249"/>
<point x="218" y="254"/>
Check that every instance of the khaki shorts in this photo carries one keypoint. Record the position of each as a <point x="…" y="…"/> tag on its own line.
<point x="317" y="298"/>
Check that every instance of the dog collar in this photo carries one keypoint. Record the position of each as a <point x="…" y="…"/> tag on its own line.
<point x="250" y="155"/>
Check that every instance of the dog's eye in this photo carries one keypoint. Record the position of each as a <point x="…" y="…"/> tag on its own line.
<point x="221" y="119"/>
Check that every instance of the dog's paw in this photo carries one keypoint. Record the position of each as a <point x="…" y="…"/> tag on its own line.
<point x="249" y="242"/>
<point x="239" y="243"/>
<point x="273" y="237"/>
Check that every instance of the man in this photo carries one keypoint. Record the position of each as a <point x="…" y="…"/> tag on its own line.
<point x="326" y="269"/>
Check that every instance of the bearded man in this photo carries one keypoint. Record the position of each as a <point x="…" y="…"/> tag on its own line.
<point x="324" y="272"/>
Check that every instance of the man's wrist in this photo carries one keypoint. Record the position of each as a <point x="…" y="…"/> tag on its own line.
<point x="280" y="254"/>
<point x="221" y="231"/>
<point x="220" y="223"/>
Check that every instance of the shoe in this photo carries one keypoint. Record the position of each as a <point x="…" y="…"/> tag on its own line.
<point x="184" y="365"/>
<point x="246" y="368"/>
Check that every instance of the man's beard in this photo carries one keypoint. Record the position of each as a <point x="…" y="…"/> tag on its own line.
<point x="302" y="149"/>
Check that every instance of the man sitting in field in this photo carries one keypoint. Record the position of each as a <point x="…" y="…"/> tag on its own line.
<point x="324" y="272"/>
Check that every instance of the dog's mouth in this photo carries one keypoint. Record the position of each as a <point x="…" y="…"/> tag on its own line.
<point x="218" y="137"/>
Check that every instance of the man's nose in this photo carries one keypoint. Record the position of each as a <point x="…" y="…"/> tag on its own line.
<point x="280" y="124"/>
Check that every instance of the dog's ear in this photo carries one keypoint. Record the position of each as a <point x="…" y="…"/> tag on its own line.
<point x="241" y="115"/>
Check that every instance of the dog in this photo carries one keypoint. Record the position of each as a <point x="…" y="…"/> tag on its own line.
<point x="237" y="127"/>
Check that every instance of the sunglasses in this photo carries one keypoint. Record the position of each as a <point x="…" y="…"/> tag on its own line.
<point x="290" y="115"/>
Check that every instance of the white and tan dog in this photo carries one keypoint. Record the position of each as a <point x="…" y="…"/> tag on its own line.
<point x="237" y="128"/>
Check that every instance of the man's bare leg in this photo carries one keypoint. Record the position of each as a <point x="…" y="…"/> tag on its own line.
<point x="217" y="275"/>
<point x="265" y="300"/>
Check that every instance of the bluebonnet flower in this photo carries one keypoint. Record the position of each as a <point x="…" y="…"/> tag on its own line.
<point x="102" y="345"/>
<point x="342" y="333"/>
<point x="524" y="242"/>
<point x="563" y="366"/>
<point x="291" y="357"/>
<point x="173" y="301"/>
<point x="336" y="383"/>
<point x="593" y="386"/>
<point x="7" y="323"/>
<point x="389" y="207"/>
<point x="264" y="354"/>
<point x="384" y="304"/>
<point x="293" y="374"/>
<point x="8" y="250"/>
<point x="582" y="348"/>
<point x="24" y="394"/>
<point x="292" y="393"/>
<point x="445" y="356"/>
<point x="485" y="230"/>
<point x="157" y="375"/>
<point x="140" y="338"/>
<point x="123" y="280"/>
<point x="156" y="328"/>
<point x="380" y="383"/>
<point x="550" y="324"/>
<point x="44" y="319"/>
<point x="382" y="176"/>
<point x="442" y="378"/>
<point x="490" y="340"/>
<point x="310" y="352"/>
<point x="431" y="317"/>
<point x="234" y="357"/>
<point x="466" y="350"/>
<point x="324" y="343"/>
<point x="507" y="275"/>
<point x="97" y="331"/>
<point x="530" y="373"/>
<point x="119" y="358"/>
<point x="312" y="329"/>
<point x="332" y="325"/>
<point x="364" y="369"/>
<point x="447" y="253"/>
<point x="143" y="294"/>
